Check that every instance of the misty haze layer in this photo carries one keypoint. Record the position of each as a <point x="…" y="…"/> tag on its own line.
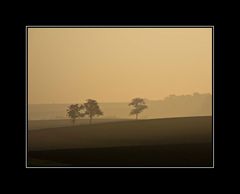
<point x="171" y="106"/>
<point x="117" y="64"/>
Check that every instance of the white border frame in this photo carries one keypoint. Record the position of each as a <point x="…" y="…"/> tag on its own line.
<point x="114" y="26"/>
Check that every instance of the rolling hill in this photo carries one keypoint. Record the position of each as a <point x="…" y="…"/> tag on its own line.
<point x="124" y="133"/>
<point x="175" y="142"/>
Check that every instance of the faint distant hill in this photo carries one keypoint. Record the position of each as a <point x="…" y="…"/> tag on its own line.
<point x="171" y="106"/>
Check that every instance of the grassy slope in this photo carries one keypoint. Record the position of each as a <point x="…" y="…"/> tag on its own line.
<point x="41" y="124"/>
<point x="158" y="142"/>
<point x="125" y="133"/>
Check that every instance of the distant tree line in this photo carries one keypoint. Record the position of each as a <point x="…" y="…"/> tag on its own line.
<point x="91" y="109"/>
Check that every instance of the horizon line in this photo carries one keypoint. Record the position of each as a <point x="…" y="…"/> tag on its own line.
<point x="121" y="101"/>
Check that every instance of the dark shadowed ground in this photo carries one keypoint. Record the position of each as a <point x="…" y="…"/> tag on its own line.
<point x="186" y="155"/>
<point x="157" y="142"/>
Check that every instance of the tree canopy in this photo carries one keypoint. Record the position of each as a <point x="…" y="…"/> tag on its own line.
<point x="139" y="105"/>
<point x="73" y="111"/>
<point x="92" y="109"/>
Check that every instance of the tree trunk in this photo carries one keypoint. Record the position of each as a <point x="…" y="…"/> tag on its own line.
<point x="73" y="120"/>
<point x="136" y="116"/>
<point x="90" y="120"/>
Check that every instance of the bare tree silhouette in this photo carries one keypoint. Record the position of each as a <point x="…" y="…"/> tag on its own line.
<point x="139" y="105"/>
<point x="92" y="109"/>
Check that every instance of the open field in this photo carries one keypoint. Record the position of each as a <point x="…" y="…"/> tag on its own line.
<point x="44" y="162"/>
<point x="41" y="124"/>
<point x="156" y="142"/>
<point x="185" y="155"/>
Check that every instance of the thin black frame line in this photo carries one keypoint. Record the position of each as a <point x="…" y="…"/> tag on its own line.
<point x="213" y="132"/>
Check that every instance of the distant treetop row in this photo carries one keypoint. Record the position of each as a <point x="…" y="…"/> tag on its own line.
<point x="91" y="109"/>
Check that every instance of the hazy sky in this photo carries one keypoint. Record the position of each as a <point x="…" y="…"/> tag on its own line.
<point x="68" y="65"/>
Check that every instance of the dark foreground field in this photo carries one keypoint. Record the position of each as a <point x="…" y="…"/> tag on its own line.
<point x="188" y="155"/>
<point x="176" y="142"/>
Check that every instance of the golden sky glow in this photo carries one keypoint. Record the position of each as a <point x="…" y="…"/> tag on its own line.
<point x="67" y="65"/>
